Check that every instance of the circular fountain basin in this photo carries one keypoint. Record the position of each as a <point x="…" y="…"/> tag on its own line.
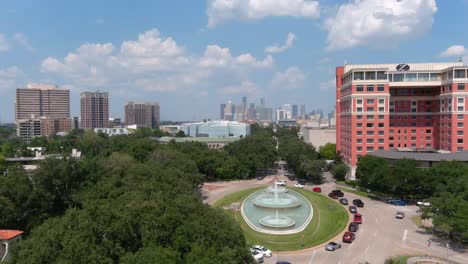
<point x="280" y="222"/>
<point x="283" y="201"/>
<point x="271" y="189"/>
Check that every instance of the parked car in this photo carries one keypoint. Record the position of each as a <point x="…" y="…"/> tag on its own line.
<point x="266" y="252"/>
<point x="257" y="255"/>
<point x="301" y="181"/>
<point x="343" y="201"/>
<point x="348" y="237"/>
<point x="333" y="195"/>
<point x="332" y="246"/>
<point x="358" y="203"/>
<point x="283" y="262"/>
<point x="352" y="209"/>
<point x="358" y="218"/>
<point x="260" y="178"/>
<point x="398" y="202"/>
<point x="420" y="203"/>
<point x="338" y="192"/>
<point x="317" y="189"/>
<point x="353" y="227"/>
<point x="400" y="215"/>
<point x="280" y="182"/>
<point x="298" y="185"/>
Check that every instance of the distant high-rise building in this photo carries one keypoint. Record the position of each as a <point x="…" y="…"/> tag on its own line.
<point x="42" y="110"/>
<point x="229" y="111"/>
<point x="240" y="111"/>
<point x="244" y="100"/>
<point x="287" y="111"/>
<point x="302" y="111"/>
<point x="264" y="113"/>
<point x="94" y="110"/>
<point x="262" y="101"/>
<point x="143" y="115"/>
<point x="251" y="115"/>
<point x="38" y="100"/>
<point x="280" y="114"/>
<point x="294" y="111"/>
<point x="221" y="111"/>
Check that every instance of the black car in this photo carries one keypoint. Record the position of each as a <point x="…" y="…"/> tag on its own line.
<point x="353" y="227"/>
<point x="352" y="209"/>
<point x="260" y="178"/>
<point x="358" y="203"/>
<point x="339" y="193"/>
<point x="343" y="201"/>
<point x="283" y="262"/>
<point x="301" y="181"/>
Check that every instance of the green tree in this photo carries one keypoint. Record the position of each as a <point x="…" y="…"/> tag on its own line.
<point x="328" y="151"/>
<point x="180" y="134"/>
<point x="340" y="171"/>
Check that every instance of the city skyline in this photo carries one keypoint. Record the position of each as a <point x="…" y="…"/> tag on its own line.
<point x="196" y="55"/>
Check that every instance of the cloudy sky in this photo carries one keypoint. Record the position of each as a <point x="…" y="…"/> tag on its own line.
<point x="190" y="56"/>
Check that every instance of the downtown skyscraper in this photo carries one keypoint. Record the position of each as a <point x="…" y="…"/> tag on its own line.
<point x="143" y="115"/>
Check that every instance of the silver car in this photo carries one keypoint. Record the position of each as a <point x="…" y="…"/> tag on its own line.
<point x="400" y="215"/>
<point x="332" y="246"/>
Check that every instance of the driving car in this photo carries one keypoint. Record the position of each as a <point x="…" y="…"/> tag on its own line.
<point x="343" y="201"/>
<point x="317" y="189"/>
<point x="257" y="255"/>
<point x="358" y="203"/>
<point x="358" y="218"/>
<point x="352" y="209"/>
<point x="266" y="252"/>
<point x="348" y="237"/>
<point x="338" y="192"/>
<point x="400" y="215"/>
<point x="332" y="246"/>
<point x="398" y="202"/>
<point x="353" y="227"/>
<point x="298" y="185"/>
<point x="280" y="182"/>
<point x="333" y="195"/>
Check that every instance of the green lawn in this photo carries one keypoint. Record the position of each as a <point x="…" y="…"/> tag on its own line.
<point x="360" y="193"/>
<point x="416" y="219"/>
<point x="330" y="218"/>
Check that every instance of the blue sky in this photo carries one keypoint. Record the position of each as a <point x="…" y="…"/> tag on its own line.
<point x="190" y="56"/>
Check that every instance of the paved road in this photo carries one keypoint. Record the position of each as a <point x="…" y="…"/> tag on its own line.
<point x="380" y="236"/>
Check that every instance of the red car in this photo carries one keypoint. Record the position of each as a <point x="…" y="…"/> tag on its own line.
<point x="333" y="195"/>
<point x="358" y="218"/>
<point x="317" y="189"/>
<point x="348" y="237"/>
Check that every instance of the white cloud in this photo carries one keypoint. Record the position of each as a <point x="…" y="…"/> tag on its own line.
<point x="4" y="45"/>
<point x="379" y="23"/>
<point x="9" y="78"/>
<point x="291" y="78"/>
<point x="246" y="87"/>
<point x="150" y="63"/>
<point x="455" y="50"/>
<point x="23" y="41"/>
<point x="328" y="85"/>
<point x="288" y="44"/>
<point x="219" y="11"/>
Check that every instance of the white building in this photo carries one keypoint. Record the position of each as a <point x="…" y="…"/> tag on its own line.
<point x="216" y="129"/>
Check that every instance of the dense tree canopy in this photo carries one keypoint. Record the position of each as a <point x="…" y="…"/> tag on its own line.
<point x="328" y="151"/>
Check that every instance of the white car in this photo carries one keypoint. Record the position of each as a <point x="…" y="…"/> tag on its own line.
<point x="280" y="182"/>
<point x="400" y="215"/>
<point x="298" y="185"/>
<point x="266" y="252"/>
<point x="257" y="255"/>
<point x="424" y="203"/>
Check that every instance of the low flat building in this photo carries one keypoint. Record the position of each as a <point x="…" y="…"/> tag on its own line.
<point x="216" y="129"/>
<point x="112" y="131"/>
<point x="425" y="159"/>
<point x="318" y="137"/>
<point x="213" y="143"/>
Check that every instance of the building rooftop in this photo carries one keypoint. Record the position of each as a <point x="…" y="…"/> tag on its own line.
<point x="9" y="234"/>
<point x="421" y="155"/>
<point x="413" y="66"/>
<point x="196" y="139"/>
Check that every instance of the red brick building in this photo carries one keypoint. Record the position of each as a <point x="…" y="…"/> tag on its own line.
<point x="400" y="106"/>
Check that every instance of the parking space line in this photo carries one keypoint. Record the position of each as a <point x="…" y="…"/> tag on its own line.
<point x="405" y="234"/>
<point x="365" y="251"/>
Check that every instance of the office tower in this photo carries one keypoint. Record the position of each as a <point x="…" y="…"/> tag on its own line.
<point x="420" y="106"/>
<point x="115" y="122"/>
<point x="302" y="111"/>
<point x="244" y="100"/>
<point x="287" y="108"/>
<point x="42" y="110"/>
<point x="240" y="112"/>
<point x="262" y="101"/>
<point x="264" y="113"/>
<point x="94" y="110"/>
<point x="229" y="111"/>
<point x="251" y="115"/>
<point x="221" y="111"/>
<point x="294" y="111"/>
<point x="42" y="100"/>
<point x="143" y="115"/>
<point x="280" y="114"/>
<point x="75" y="123"/>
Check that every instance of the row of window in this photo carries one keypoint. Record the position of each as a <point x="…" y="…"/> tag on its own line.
<point x="370" y="133"/>
<point x="370" y="88"/>
<point x="370" y="117"/>
<point x="370" y="109"/>
<point x="412" y="138"/>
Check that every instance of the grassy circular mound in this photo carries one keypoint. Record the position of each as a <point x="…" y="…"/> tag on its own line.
<point x="330" y="218"/>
